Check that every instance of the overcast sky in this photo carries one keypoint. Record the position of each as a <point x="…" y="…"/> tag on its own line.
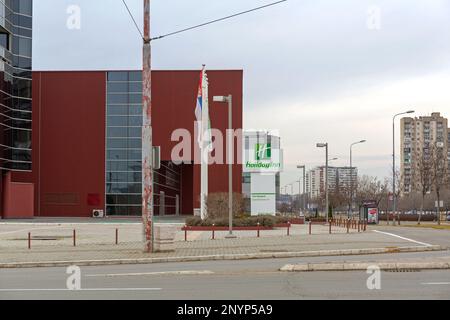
<point x="319" y="71"/>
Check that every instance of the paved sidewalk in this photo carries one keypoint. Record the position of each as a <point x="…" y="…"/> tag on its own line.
<point x="56" y="244"/>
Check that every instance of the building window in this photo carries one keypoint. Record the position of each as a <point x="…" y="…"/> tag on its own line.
<point x="123" y="147"/>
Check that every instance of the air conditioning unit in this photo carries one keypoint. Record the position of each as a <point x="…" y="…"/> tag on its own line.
<point x="97" y="213"/>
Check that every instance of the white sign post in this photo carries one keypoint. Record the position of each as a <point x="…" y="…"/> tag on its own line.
<point x="263" y="163"/>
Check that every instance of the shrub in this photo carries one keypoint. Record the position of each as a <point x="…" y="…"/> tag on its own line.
<point x="193" y="221"/>
<point x="240" y="221"/>
<point x="217" y="205"/>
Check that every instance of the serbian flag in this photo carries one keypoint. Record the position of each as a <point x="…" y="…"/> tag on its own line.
<point x="202" y="113"/>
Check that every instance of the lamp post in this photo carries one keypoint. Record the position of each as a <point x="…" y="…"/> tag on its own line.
<point x="303" y="167"/>
<point x="394" y="204"/>
<point x="229" y="100"/>
<point x="350" y="211"/>
<point x="325" y="145"/>
<point x="292" y="193"/>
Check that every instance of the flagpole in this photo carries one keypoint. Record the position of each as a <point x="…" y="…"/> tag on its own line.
<point x="203" y="147"/>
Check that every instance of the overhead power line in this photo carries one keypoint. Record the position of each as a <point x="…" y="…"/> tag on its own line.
<point x="132" y="18"/>
<point x="217" y="20"/>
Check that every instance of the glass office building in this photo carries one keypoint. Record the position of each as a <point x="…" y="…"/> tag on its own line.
<point x="123" y="153"/>
<point x="15" y="84"/>
<point x="123" y="145"/>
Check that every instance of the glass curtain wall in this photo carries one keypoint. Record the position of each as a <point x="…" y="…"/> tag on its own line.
<point x="15" y="84"/>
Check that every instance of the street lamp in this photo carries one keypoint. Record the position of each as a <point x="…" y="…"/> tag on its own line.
<point x="303" y="167"/>
<point x="325" y="145"/>
<point x="394" y="204"/>
<point x="350" y="211"/>
<point x="292" y="194"/>
<point x="229" y="99"/>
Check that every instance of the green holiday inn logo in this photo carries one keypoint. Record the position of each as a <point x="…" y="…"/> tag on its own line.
<point x="263" y="151"/>
<point x="263" y="158"/>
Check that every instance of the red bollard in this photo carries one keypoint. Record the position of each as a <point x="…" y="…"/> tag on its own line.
<point x="29" y="240"/>
<point x="185" y="232"/>
<point x="117" y="236"/>
<point x="289" y="226"/>
<point x="213" y="235"/>
<point x="74" y="238"/>
<point x="257" y="231"/>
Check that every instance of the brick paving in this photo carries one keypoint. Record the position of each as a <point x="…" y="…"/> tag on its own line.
<point x="54" y="242"/>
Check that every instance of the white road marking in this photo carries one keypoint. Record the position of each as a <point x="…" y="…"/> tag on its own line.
<point x="435" y="283"/>
<point x="187" y="272"/>
<point x="87" y="289"/>
<point x="407" y="239"/>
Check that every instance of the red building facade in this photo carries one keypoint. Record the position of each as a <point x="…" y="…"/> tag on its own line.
<point x="72" y="170"/>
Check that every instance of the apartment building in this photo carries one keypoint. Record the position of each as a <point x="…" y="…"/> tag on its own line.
<point x="419" y="136"/>
<point x="339" y="179"/>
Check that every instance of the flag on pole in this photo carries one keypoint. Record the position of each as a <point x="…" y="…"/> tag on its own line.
<point x="202" y="113"/>
<point x="203" y="137"/>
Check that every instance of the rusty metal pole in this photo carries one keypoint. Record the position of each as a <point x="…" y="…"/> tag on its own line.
<point x="147" y="144"/>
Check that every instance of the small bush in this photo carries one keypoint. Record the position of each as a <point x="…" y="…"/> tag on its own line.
<point x="240" y="221"/>
<point x="217" y="205"/>
<point x="193" y="221"/>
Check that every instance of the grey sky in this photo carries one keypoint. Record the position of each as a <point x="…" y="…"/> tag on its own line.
<point x="312" y="68"/>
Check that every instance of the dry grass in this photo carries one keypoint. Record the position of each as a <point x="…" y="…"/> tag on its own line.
<point x="427" y="225"/>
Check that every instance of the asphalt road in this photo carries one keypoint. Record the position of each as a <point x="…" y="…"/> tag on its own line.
<point x="243" y="279"/>
<point x="428" y="235"/>
<point x="247" y="279"/>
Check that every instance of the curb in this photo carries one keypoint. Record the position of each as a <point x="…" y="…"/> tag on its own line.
<point x="298" y="254"/>
<point x="353" y="266"/>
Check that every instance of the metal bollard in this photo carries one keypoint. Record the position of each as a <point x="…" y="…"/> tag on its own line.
<point x="117" y="236"/>
<point x="289" y="226"/>
<point x="29" y="240"/>
<point x="348" y="225"/>
<point x="359" y="226"/>
<point x="74" y="238"/>
<point x="309" y="226"/>
<point x="257" y="230"/>
<point x="185" y="232"/>
<point x="330" y="228"/>
<point x="213" y="235"/>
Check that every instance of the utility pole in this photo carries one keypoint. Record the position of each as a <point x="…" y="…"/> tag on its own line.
<point x="304" y="187"/>
<point x="350" y="209"/>
<point x="147" y="144"/>
<point x="326" y="183"/>
<point x="394" y="203"/>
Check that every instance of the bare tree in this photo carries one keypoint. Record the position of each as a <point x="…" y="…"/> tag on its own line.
<point x="371" y="188"/>
<point x="424" y="175"/>
<point x="439" y="174"/>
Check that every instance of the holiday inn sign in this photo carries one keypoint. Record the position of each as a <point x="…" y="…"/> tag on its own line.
<point x="262" y="159"/>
